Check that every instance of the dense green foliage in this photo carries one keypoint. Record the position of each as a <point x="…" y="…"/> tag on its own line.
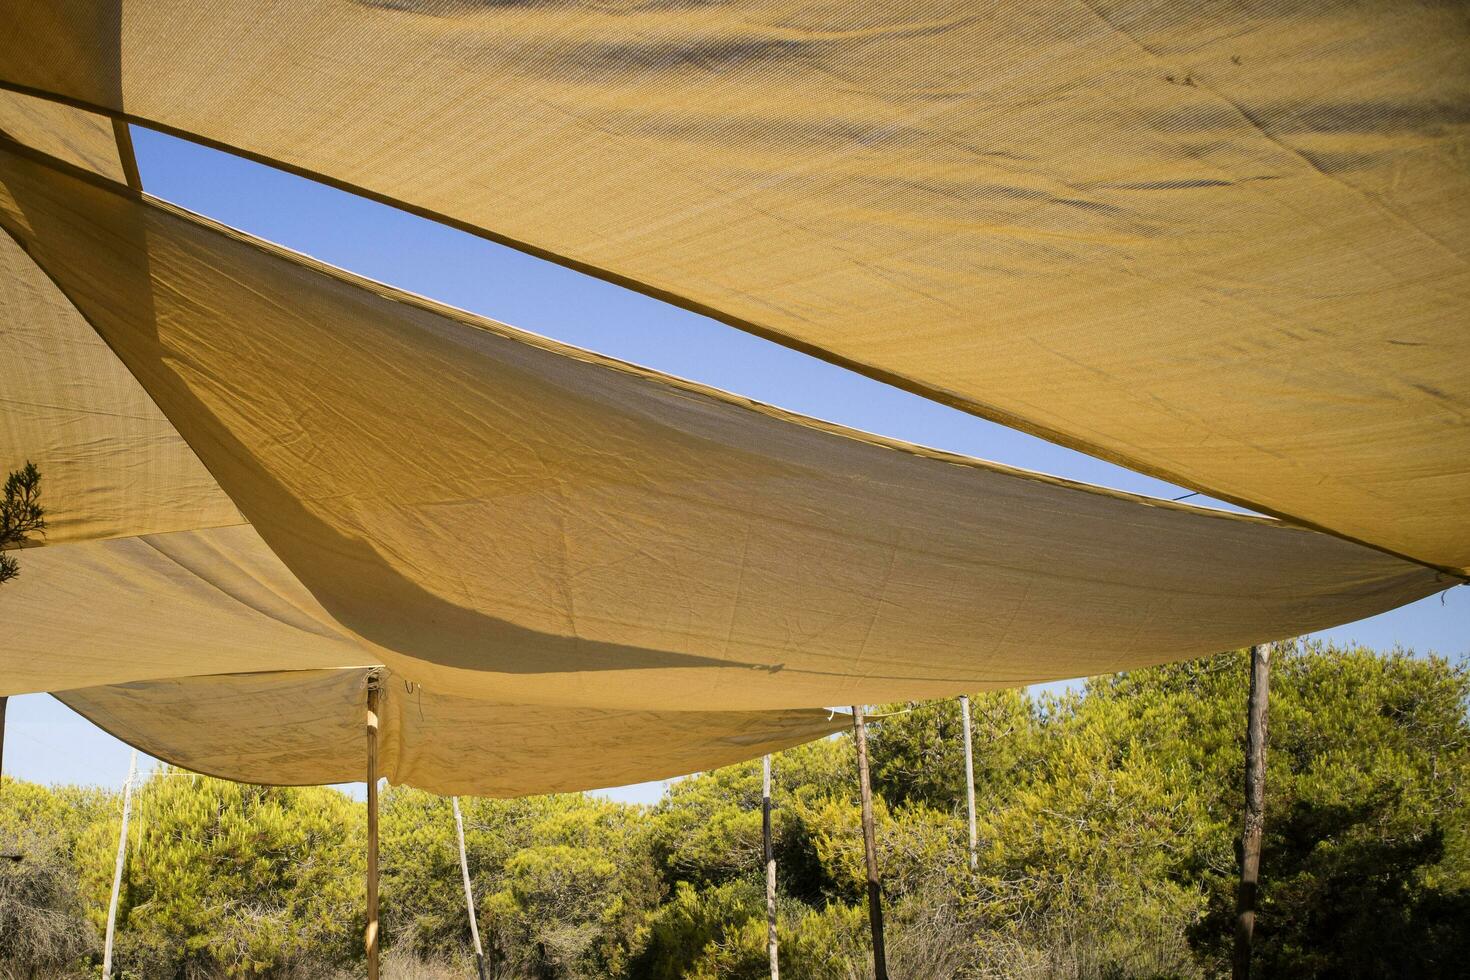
<point x="21" y="515"/>
<point x="1108" y="821"/>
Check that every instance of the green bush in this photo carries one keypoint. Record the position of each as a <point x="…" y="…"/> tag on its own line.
<point x="1108" y="823"/>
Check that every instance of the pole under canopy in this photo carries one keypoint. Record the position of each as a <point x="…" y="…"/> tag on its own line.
<point x="870" y="846"/>
<point x="117" y="871"/>
<point x="481" y="967"/>
<point x="1255" y="810"/>
<point x="769" y="853"/>
<point x="370" y="937"/>
<point x="969" y="778"/>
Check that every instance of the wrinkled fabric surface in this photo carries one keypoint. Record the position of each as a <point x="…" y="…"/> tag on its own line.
<point x="1225" y="244"/>
<point x="111" y="464"/>
<point x="110" y="459"/>
<point x="82" y="139"/>
<point x="162" y="605"/>
<point x="501" y="516"/>
<point x="305" y="727"/>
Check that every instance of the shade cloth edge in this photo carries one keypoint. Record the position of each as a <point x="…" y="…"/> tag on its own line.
<point x="949" y="399"/>
<point x="519" y="335"/>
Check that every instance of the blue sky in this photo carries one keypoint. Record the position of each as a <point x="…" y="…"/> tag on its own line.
<point x="47" y="742"/>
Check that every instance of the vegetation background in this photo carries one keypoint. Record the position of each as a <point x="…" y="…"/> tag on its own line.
<point x="1109" y="820"/>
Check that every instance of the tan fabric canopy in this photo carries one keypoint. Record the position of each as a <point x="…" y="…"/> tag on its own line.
<point x="162" y="605"/>
<point x="82" y="139"/>
<point x="501" y="516"/>
<point x="1223" y="244"/>
<point x="66" y="401"/>
<point x="112" y="462"/>
<point x="305" y="727"/>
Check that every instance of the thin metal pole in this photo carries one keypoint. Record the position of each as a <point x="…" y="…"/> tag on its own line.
<point x="469" y="895"/>
<point x="2" y="733"/>
<point x="969" y="779"/>
<point x="870" y="847"/>
<point x="122" y="847"/>
<point x="371" y="937"/>
<point x="770" y="868"/>
<point x="1255" y="810"/>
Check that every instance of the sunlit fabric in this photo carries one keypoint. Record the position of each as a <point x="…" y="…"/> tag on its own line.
<point x="305" y="727"/>
<point x="82" y="139"/>
<point x="161" y="605"/>
<point x="1225" y="244"/>
<point x="501" y="516"/>
<point x="111" y="464"/>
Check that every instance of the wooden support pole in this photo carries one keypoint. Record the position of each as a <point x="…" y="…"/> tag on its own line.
<point x="1255" y="810"/>
<point x="371" y="936"/>
<point x="870" y="847"/>
<point x="770" y="854"/>
<point x="969" y="780"/>
<point x="117" y="870"/>
<point x="469" y="894"/>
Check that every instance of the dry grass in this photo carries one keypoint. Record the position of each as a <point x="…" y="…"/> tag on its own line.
<point x="405" y="966"/>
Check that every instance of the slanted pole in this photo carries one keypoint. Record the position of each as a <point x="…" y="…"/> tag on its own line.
<point x="3" y="700"/>
<point x="117" y="870"/>
<point x="469" y="894"/>
<point x="371" y="937"/>
<point x="870" y="847"/>
<point x="1255" y="810"/>
<point x="770" y="854"/>
<point x="969" y="779"/>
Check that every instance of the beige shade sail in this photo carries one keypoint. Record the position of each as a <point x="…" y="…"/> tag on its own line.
<point x="105" y="451"/>
<point x="111" y="464"/>
<point x="308" y="727"/>
<point x="1225" y="244"/>
<point x="501" y="516"/>
<point x="161" y="605"/>
<point x="83" y="139"/>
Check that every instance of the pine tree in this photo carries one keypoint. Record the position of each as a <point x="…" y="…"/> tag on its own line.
<point x="21" y="515"/>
